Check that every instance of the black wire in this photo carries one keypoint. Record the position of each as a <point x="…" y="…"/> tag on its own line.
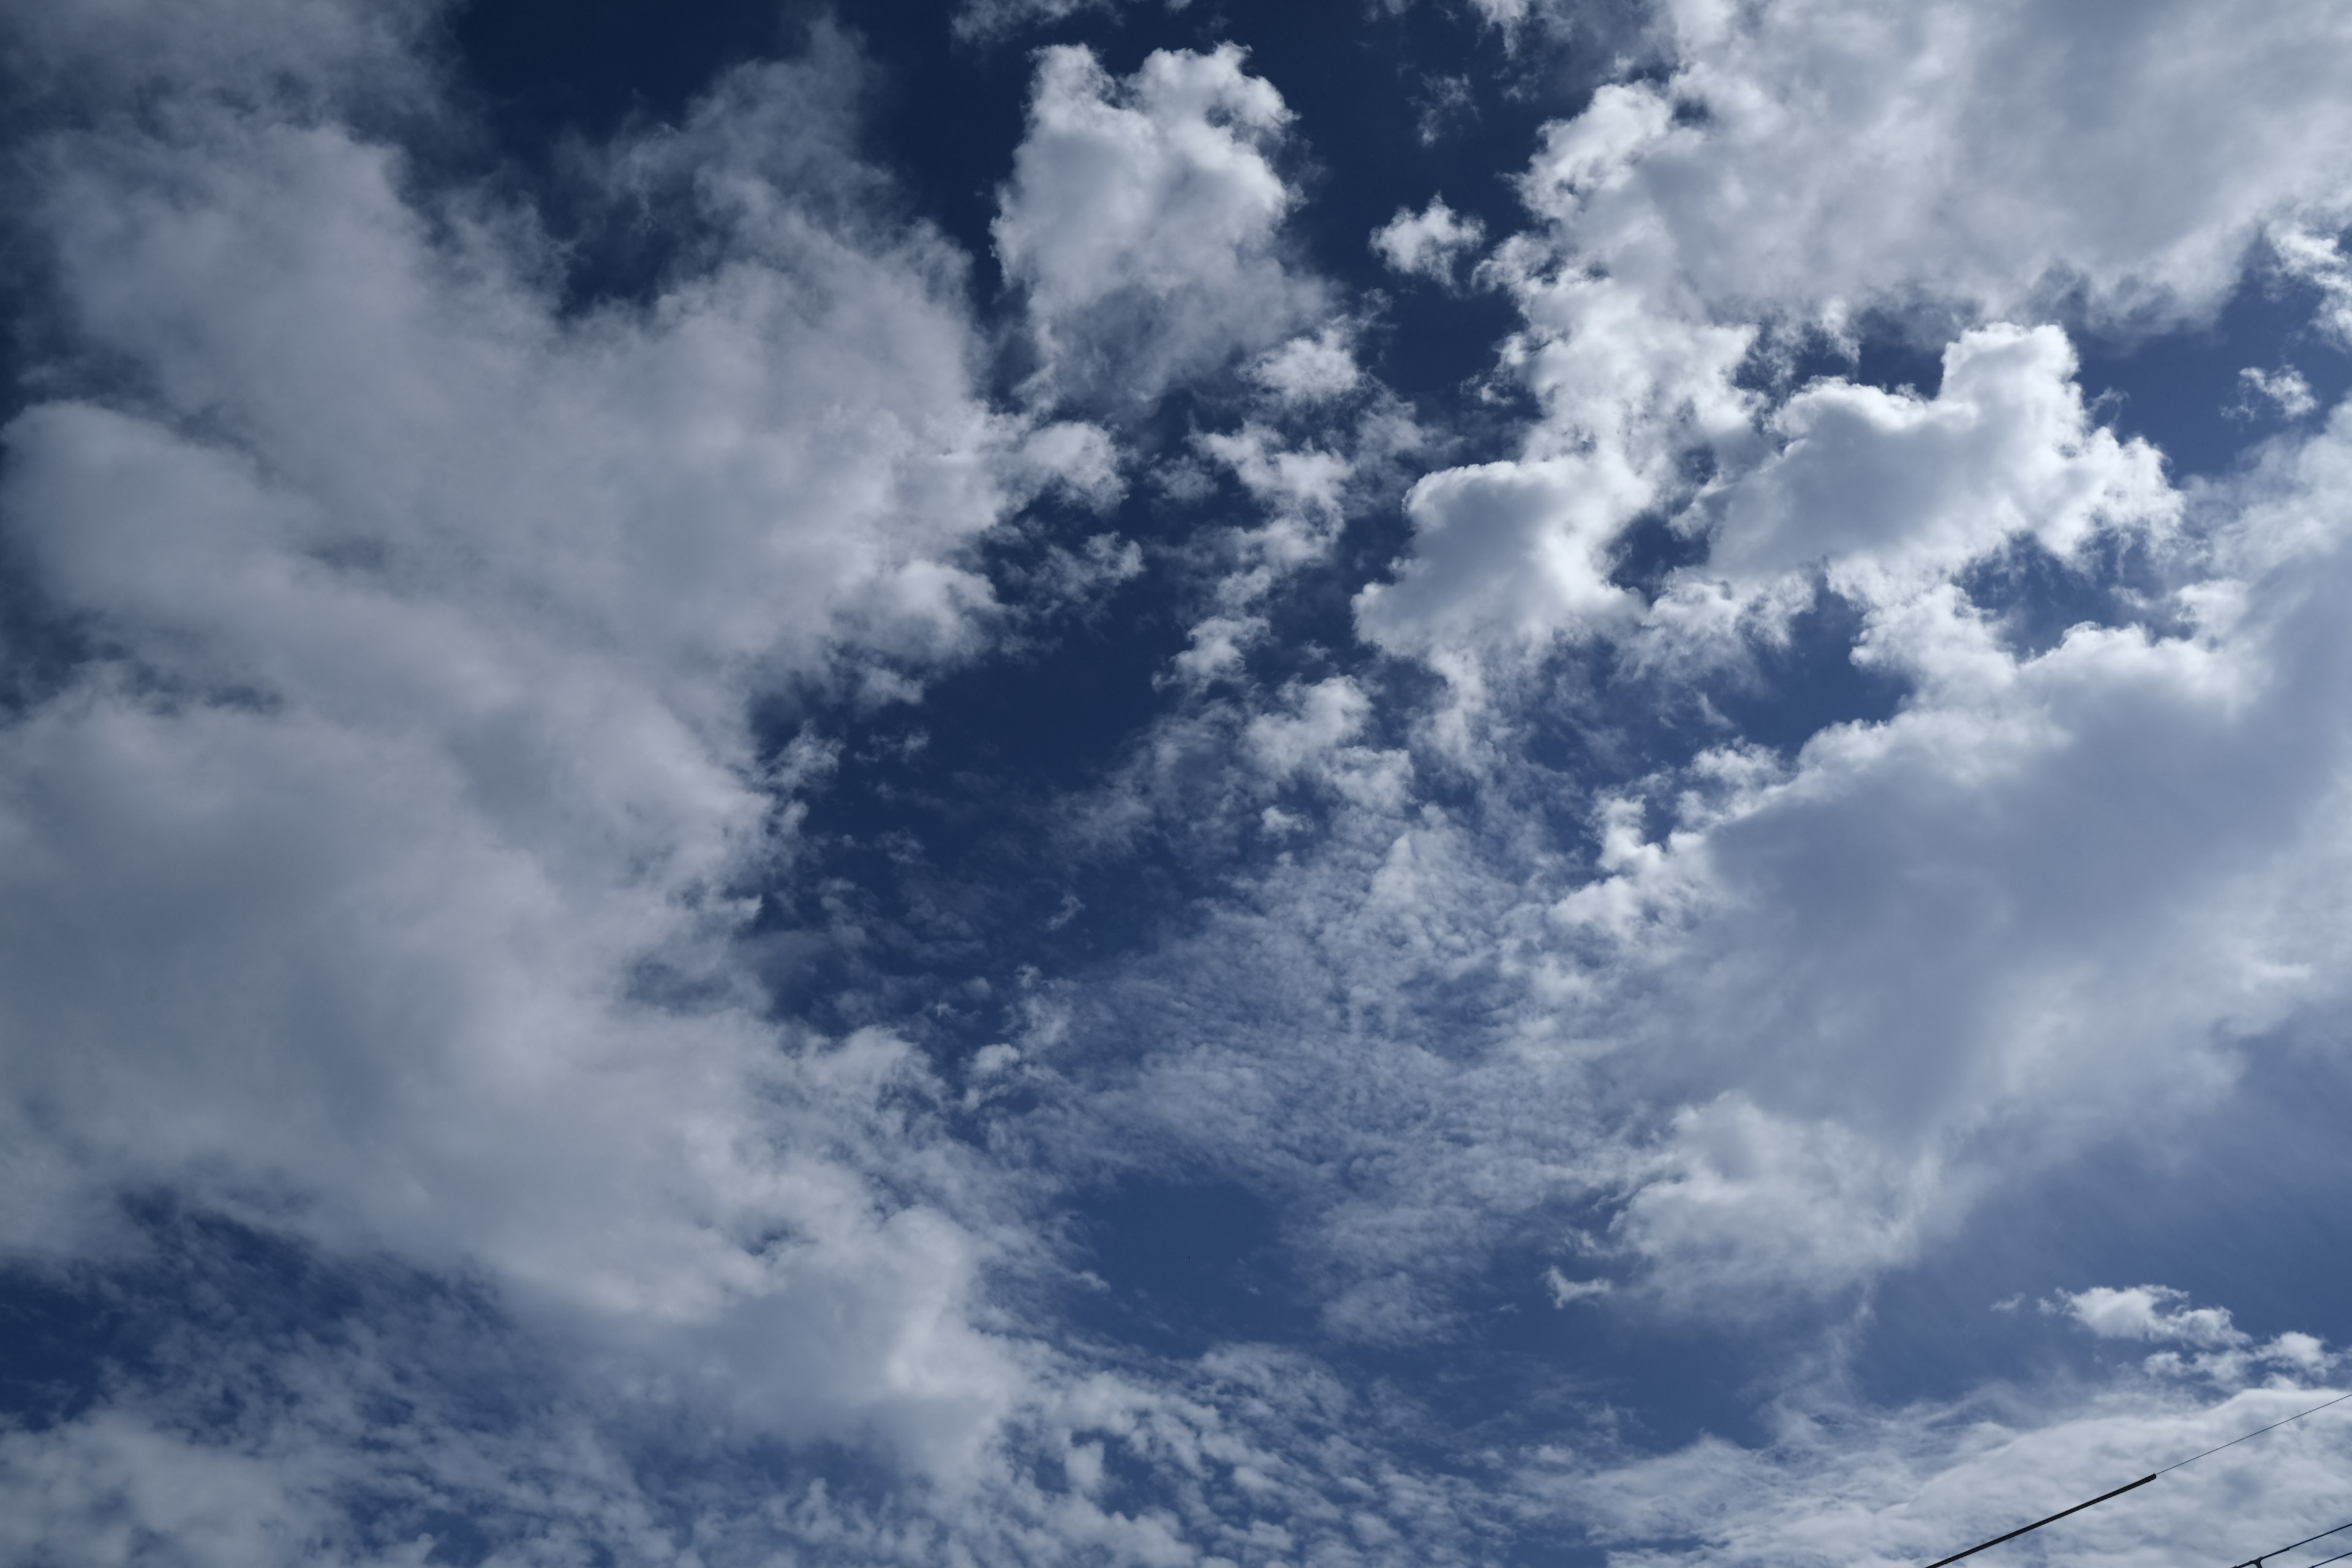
<point x="2250" y="1563"/>
<point x="2255" y="1433"/>
<point x="2038" y="1523"/>
<point x="2279" y="1551"/>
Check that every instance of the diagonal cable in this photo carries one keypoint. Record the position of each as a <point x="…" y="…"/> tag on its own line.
<point x="2135" y="1486"/>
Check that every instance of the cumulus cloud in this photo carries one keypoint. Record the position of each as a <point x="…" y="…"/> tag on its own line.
<point x="1845" y="1022"/>
<point x="1986" y="193"/>
<point x="1887" y="493"/>
<point x="1514" y="549"/>
<point x="1313" y="733"/>
<point x="2283" y="389"/>
<point x="1845" y="992"/>
<point x="374" y="878"/>
<point x="1430" y="243"/>
<point x="2148" y="1312"/>
<point x="385" y="817"/>
<point x="1309" y="370"/>
<point x="1916" y="966"/>
<point x="1144" y="222"/>
<point x="2317" y="258"/>
<point x="1509" y="555"/>
<point x="1974" y="154"/>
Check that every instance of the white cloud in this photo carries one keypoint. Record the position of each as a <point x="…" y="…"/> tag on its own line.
<point x="1838" y="1484"/>
<point x="1567" y="1293"/>
<point x="1217" y="645"/>
<point x="1430" y="243"/>
<point x="1309" y="370"/>
<point x="1509" y="555"/>
<point x="1820" y="157"/>
<point x="1303" y="487"/>
<point x="1796" y="1017"/>
<point x="1933" y="926"/>
<point x="105" y="1486"/>
<point x="1311" y="735"/>
<point x="2284" y="389"/>
<point x="376" y="880"/>
<point x="1324" y="716"/>
<point x="1739" y="1206"/>
<point x="993" y="18"/>
<point x="1077" y="459"/>
<point x="1845" y="1022"/>
<point x="2148" y="1312"/>
<point x="1889" y="493"/>
<point x="1144" y="221"/>
<point x="1801" y="165"/>
<point x="2319" y="260"/>
<point x="2208" y="1344"/>
<point x="1517" y="549"/>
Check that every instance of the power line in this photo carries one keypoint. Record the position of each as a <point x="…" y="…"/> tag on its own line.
<point x="2038" y="1523"/>
<point x="2282" y="1550"/>
<point x="2135" y="1486"/>
<point x="2255" y="1433"/>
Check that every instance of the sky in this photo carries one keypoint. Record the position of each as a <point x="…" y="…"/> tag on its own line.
<point x="1209" y="785"/>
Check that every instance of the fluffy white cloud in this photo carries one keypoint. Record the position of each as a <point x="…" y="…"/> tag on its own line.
<point x="2148" y="1312"/>
<point x="2284" y="389"/>
<point x="1823" y="157"/>
<point x="1796" y="1016"/>
<point x="1309" y="370"/>
<point x="1843" y="1027"/>
<point x="1430" y="243"/>
<point x="2121" y="849"/>
<point x="1514" y="549"/>
<point x="375" y="876"/>
<point x="1801" y="164"/>
<point x="1508" y="555"/>
<point x="1888" y="493"/>
<point x="373" y="873"/>
<point x="2319" y="259"/>
<point x="1144" y="221"/>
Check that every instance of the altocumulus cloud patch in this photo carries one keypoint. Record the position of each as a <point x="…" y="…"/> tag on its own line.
<point x="721" y="843"/>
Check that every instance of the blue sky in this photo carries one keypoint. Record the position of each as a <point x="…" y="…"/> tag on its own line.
<point x="1075" y="781"/>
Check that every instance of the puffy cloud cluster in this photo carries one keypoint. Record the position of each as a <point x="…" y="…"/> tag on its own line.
<point x="1848" y="974"/>
<point x="383" y="811"/>
<point x="1997" y="157"/>
<point x="384" y="816"/>
<point x="1800" y="167"/>
<point x="1144" y="221"/>
<point x="2148" y="1312"/>
<point x="2319" y="259"/>
<point x="1890" y="493"/>
<point x="376" y="852"/>
<point x="1430" y="243"/>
